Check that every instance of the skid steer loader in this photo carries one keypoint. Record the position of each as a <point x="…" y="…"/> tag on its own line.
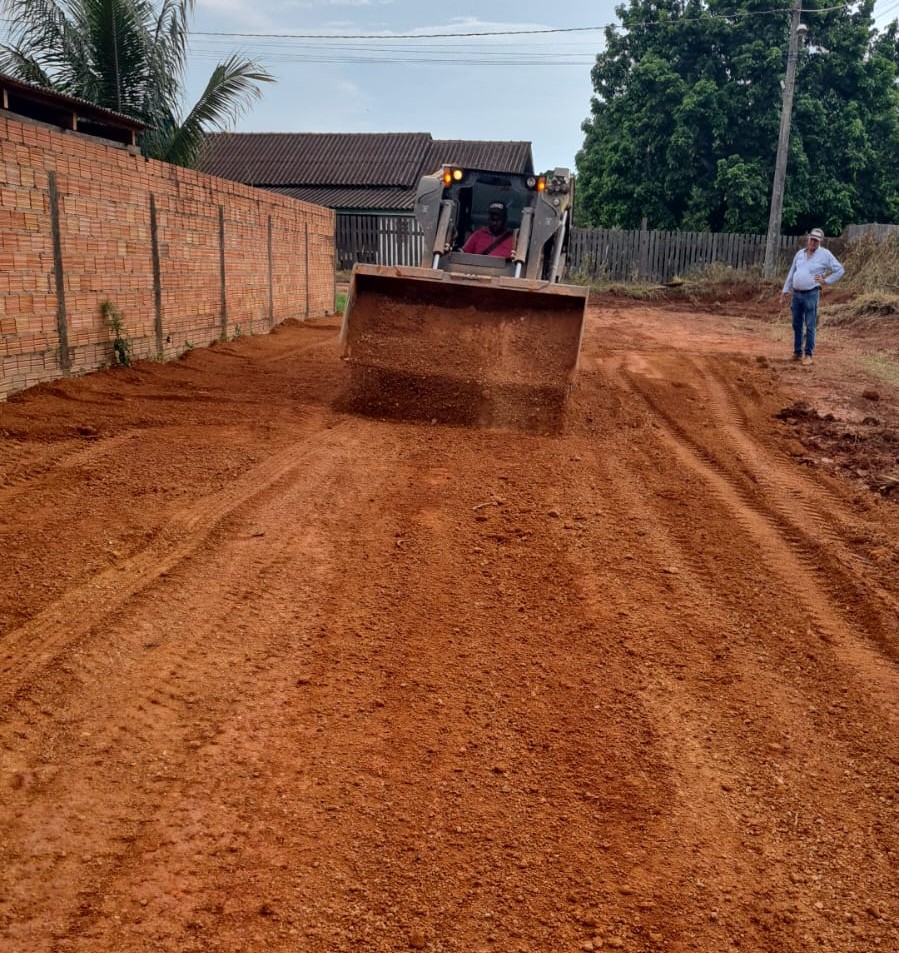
<point x="470" y="338"/>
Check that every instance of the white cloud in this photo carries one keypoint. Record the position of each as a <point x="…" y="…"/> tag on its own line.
<point x="389" y="85"/>
<point x="294" y="4"/>
<point x="237" y="14"/>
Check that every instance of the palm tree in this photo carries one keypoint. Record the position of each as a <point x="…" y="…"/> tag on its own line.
<point x="128" y="56"/>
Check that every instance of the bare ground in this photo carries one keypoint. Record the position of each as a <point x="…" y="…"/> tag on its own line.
<point x="276" y="676"/>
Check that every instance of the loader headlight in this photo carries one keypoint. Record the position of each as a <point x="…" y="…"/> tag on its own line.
<point x="451" y="175"/>
<point x="531" y="181"/>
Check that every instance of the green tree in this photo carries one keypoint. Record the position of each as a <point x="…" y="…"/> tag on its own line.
<point x="684" y="122"/>
<point x="129" y="56"/>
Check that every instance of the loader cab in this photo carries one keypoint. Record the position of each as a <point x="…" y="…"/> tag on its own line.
<point x="474" y="201"/>
<point x="452" y="204"/>
<point x="477" y="192"/>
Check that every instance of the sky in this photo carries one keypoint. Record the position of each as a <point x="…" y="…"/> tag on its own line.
<point x="406" y="73"/>
<point x="533" y="87"/>
<point x="406" y="65"/>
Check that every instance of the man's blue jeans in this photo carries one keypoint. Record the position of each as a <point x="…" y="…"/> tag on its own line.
<point x="805" y="318"/>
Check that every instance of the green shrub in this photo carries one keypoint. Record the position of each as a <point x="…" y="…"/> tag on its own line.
<point x="121" y="343"/>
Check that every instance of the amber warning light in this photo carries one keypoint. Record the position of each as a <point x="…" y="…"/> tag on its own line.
<point x="541" y="184"/>
<point x="452" y="175"/>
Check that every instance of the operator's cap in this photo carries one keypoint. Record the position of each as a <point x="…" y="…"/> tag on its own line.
<point x="497" y="207"/>
<point x="817" y="234"/>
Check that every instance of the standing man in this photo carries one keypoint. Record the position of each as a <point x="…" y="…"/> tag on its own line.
<point x="812" y="268"/>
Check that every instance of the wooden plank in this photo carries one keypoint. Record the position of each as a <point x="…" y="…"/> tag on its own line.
<point x="614" y="249"/>
<point x="627" y="255"/>
<point x="655" y="246"/>
<point x="678" y="254"/>
<point x="694" y="245"/>
<point x="649" y="272"/>
<point x="656" y="256"/>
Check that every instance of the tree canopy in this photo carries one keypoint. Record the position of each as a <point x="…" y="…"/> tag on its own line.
<point x="684" y="122"/>
<point x="129" y="56"/>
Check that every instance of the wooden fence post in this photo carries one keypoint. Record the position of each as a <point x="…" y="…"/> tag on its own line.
<point x="644" y="247"/>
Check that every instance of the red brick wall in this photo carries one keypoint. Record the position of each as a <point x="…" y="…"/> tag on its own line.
<point x="104" y="199"/>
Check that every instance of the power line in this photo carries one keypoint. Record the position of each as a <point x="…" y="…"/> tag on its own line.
<point x="386" y="38"/>
<point x="400" y="36"/>
<point x="887" y="9"/>
<point x="530" y="32"/>
<point x="468" y="54"/>
<point x="542" y="31"/>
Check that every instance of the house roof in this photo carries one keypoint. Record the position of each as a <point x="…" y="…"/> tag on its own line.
<point x="487" y="155"/>
<point x="315" y="159"/>
<point x="373" y="198"/>
<point x="69" y="112"/>
<point x="351" y="170"/>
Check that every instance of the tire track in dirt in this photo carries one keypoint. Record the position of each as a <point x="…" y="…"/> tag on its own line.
<point x="697" y="821"/>
<point x="473" y="690"/>
<point x="815" y="566"/>
<point x="740" y="730"/>
<point x="401" y="673"/>
<point x="819" y="505"/>
<point x="148" y="733"/>
<point x="85" y="607"/>
<point x="515" y="752"/>
<point x="26" y="468"/>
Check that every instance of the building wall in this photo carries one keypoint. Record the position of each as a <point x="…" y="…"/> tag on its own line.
<point x="79" y="224"/>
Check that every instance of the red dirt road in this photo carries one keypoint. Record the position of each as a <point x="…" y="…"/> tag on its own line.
<point x="276" y="677"/>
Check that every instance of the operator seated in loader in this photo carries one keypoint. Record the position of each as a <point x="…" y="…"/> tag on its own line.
<point x="494" y="238"/>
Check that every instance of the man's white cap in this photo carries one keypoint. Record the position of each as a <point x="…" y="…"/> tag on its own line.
<point x="816" y="233"/>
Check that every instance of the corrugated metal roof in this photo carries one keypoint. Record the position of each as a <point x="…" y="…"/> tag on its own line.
<point x="486" y="155"/>
<point x="353" y="170"/>
<point x="392" y="199"/>
<point x="82" y="107"/>
<point x="311" y="158"/>
<point x="351" y="158"/>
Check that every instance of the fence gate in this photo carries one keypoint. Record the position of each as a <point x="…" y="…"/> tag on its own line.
<point x="357" y="240"/>
<point x="378" y="240"/>
<point x="400" y="241"/>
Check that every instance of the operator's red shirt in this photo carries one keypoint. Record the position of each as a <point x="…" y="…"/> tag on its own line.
<point x="479" y="241"/>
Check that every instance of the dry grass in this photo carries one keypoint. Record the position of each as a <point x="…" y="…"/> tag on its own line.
<point x="699" y="285"/>
<point x="872" y="277"/>
<point x="867" y="308"/>
<point x="715" y="281"/>
<point x="883" y="367"/>
<point x="717" y="275"/>
<point x="636" y="290"/>
<point x="872" y="267"/>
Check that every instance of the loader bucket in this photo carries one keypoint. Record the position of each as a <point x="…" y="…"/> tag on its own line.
<point x="428" y="344"/>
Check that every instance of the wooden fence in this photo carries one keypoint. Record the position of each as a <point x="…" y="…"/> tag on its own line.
<point x="607" y="254"/>
<point x="615" y="255"/>
<point x="853" y="233"/>
<point x="378" y="240"/>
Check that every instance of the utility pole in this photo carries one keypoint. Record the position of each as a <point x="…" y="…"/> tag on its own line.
<point x="783" y="143"/>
